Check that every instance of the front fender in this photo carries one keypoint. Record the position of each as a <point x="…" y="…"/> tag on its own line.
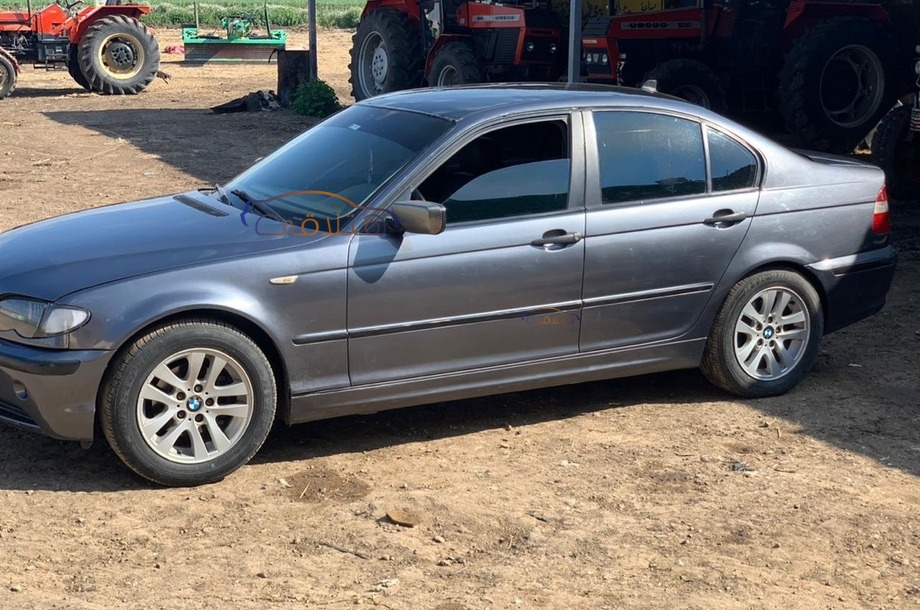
<point x="16" y="67"/>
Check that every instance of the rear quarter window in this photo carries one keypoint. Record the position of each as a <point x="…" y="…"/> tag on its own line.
<point x="733" y="167"/>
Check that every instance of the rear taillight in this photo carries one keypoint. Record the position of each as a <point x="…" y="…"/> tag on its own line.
<point x="880" y="221"/>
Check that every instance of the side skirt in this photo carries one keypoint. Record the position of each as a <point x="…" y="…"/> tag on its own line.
<point x="564" y="370"/>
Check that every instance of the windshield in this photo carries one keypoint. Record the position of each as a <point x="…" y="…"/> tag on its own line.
<point x="331" y="170"/>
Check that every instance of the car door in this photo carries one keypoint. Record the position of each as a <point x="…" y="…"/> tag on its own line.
<point x="664" y="221"/>
<point x="502" y="284"/>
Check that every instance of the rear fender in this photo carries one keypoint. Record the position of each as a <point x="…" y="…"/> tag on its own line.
<point x="409" y="7"/>
<point x="803" y="15"/>
<point x="90" y="15"/>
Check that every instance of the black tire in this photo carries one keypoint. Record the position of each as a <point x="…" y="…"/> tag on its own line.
<point x="73" y="68"/>
<point x="721" y="365"/>
<point x="691" y="80"/>
<point x="897" y="151"/>
<point x="118" y="56"/>
<point x="809" y="75"/>
<point x="7" y="77"/>
<point x="455" y="64"/>
<point x="119" y="402"/>
<point x="399" y="39"/>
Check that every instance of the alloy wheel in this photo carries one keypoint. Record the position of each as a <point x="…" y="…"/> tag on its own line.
<point x="772" y="333"/>
<point x="195" y="406"/>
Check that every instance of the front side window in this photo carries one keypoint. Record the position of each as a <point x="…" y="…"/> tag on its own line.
<point x="733" y="166"/>
<point x="645" y="156"/>
<point x="331" y="170"/>
<point x="521" y="170"/>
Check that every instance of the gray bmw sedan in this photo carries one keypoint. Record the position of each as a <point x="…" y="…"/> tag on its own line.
<point x="435" y="245"/>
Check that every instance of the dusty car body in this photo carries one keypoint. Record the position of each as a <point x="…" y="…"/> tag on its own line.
<point x="480" y="240"/>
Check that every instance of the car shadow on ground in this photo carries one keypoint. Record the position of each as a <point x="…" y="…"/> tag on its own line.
<point x="885" y="430"/>
<point x="207" y="146"/>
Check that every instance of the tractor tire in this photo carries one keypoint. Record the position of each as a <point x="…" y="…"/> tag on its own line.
<point x="836" y="83"/>
<point x="690" y="80"/>
<point x="73" y="68"/>
<point x="7" y="77"/>
<point x="386" y="54"/>
<point x="455" y="64"/>
<point x="118" y="56"/>
<point x="896" y="150"/>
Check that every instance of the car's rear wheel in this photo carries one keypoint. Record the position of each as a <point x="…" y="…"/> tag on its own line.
<point x="766" y="335"/>
<point x="188" y="403"/>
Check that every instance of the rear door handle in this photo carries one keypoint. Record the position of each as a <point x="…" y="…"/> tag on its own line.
<point x="725" y="218"/>
<point x="557" y="237"/>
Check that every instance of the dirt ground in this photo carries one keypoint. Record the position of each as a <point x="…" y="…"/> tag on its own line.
<point x="655" y="492"/>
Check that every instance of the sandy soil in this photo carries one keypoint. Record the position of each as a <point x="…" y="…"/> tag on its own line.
<point x="656" y="492"/>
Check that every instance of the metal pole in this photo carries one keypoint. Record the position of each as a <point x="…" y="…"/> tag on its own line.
<point x="311" y="12"/>
<point x="575" y="16"/>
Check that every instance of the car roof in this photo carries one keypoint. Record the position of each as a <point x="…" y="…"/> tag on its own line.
<point x="458" y="103"/>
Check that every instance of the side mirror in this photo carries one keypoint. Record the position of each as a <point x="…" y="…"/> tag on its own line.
<point x="420" y="217"/>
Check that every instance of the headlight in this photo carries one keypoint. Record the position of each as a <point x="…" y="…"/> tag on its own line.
<point x="587" y="58"/>
<point x="530" y="47"/>
<point x="32" y="319"/>
<point x="604" y="59"/>
<point x="917" y="68"/>
<point x="553" y="47"/>
<point x="595" y="57"/>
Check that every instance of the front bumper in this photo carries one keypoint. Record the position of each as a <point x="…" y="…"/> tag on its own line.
<point x="856" y="286"/>
<point x="50" y="391"/>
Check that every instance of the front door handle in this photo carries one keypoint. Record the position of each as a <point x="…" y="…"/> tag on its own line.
<point x="557" y="237"/>
<point x="725" y="218"/>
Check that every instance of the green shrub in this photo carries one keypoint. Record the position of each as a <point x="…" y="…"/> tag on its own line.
<point x="345" y="19"/>
<point x="315" y="98"/>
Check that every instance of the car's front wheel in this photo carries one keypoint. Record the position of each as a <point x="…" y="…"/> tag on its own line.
<point x="188" y="403"/>
<point x="766" y="335"/>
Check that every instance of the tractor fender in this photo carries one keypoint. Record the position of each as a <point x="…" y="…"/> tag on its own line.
<point x="90" y="15"/>
<point x="12" y="59"/>
<point x="804" y="15"/>
<point x="409" y="7"/>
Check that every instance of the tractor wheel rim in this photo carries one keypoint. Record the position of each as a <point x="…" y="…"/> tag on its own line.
<point x="693" y="94"/>
<point x="448" y="77"/>
<point x="122" y="56"/>
<point x="772" y="334"/>
<point x="374" y="65"/>
<point x="195" y="406"/>
<point x="4" y="77"/>
<point x="852" y="86"/>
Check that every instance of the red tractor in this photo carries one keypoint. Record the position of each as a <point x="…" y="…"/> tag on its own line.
<point x="402" y="44"/>
<point x="106" y="49"/>
<point x="828" y="69"/>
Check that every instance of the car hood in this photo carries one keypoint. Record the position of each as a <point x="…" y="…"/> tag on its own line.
<point x="53" y="258"/>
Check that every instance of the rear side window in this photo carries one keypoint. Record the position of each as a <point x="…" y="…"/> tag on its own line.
<point x="733" y="166"/>
<point x="647" y="156"/>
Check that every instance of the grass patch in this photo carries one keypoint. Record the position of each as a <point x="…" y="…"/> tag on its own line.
<point x="343" y="14"/>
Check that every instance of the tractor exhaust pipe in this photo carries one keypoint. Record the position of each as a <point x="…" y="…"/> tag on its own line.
<point x="197" y="20"/>
<point x="29" y="8"/>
